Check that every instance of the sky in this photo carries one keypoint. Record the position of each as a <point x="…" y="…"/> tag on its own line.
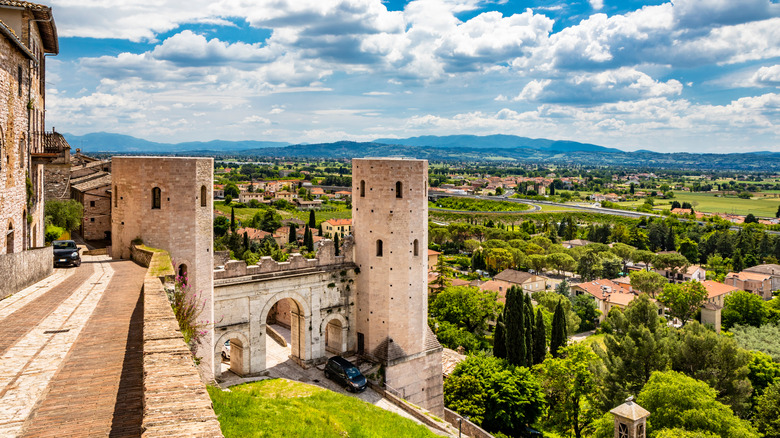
<point x="679" y="76"/>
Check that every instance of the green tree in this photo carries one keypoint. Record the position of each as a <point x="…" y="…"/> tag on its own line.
<point x="768" y="411"/>
<point x="586" y="309"/>
<point x="312" y="219"/>
<point x="589" y="266"/>
<point x="569" y="388"/>
<point x="64" y="214"/>
<point x="228" y="200"/>
<point x="643" y="256"/>
<point x="683" y="300"/>
<point x="559" y="336"/>
<point x="498" y="259"/>
<point x="763" y="371"/>
<point x="678" y="401"/>
<point x="221" y="226"/>
<point x="649" y="282"/>
<point x="497" y="396"/>
<point x="514" y="322"/>
<point x="624" y="252"/>
<point x="690" y="250"/>
<point x="528" y="319"/>
<point x="271" y="221"/>
<point x="465" y="306"/>
<point x="444" y="273"/>
<point x="231" y="190"/>
<point x="744" y="308"/>
<point x="293" y="237"/>
<point x="336" y="244"/>
<point x="670" y="262"/>
<point x="540" y="339"/>
<point x="499" y="338"/>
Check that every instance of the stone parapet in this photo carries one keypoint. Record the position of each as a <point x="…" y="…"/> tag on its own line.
<point x="326" y="256"/>
<point x="176" y="403"/>
<point x="24" y="268"/>
<point x="140" y="256"/>
<point x="465" y="426"/>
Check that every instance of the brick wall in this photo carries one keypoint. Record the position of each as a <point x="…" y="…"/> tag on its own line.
<point x="24" y="268"/>
<point x="176" y="403"/>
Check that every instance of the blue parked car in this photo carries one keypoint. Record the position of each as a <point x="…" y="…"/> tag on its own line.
<point x="344" y="372"/>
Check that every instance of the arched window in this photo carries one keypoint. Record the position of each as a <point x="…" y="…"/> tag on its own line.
<point x="416" y="247"/>
<point x="156" y="198"/>
<point x="21" y="152"/>
<point x="362" y="189"/>
<point x="203" y="200"/>
<point x="9" y="239"/>
<point x="399" y="187"/>
<point x="183" y="273"/>
<point x="379" y="248"/>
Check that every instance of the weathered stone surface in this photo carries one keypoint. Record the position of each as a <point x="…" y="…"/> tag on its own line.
<point x="22" y="269"/>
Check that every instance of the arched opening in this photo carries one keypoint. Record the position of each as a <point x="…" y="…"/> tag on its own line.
<point x="379" y="249"/>
<point x="399" y="189"/>
<point x="182" y="273"/>
<point x="24" y="229"/>
<point x="116" y="195"/>
<point x="203" y="194"/>
<point x="156" y="198"/>
<point x="335" y="338"/>
<point x="9" y="239"/>
<point x="362" y="189"/>
<point x="231" y="354"/>
<point x="416" y="247"/>
<point x="286" y="333"/>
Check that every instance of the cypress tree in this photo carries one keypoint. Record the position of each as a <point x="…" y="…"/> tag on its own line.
<point x="319" y="229"/>
<point x="246" y="240"/>
<point x="293" y="233"/>
<point x="312" y="221"/>
<point x="529" y="329"/>
<point x="515" y="326"/>
<point x="336" y="243"/>
<point x="558" y="338"/>
<point x="232" y="220"/>
<point x="310" y="241"/>
<point x="499" y="338"/>
<point x="540" y="339"/>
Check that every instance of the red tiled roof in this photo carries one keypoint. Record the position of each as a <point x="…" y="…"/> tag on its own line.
<point x="338" y="222"/>
<point x="715" y="289"/>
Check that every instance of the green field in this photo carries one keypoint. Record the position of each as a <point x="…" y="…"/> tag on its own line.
<point x="282" y="408"/>
<point x="705" y="202"/>
<point x="476" y="205"/>
<point x="245" y="214"/>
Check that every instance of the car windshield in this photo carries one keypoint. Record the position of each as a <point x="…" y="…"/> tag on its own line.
<point x="64" y="245"/>
<point x="352" y="372"/>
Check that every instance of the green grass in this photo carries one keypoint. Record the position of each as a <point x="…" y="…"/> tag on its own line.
<point x="282" y="408"/>
<point x="477" y="205"/>
<point x="246" y="214"/>
<point x="595" y="340"/>
<point x="705" y="202"/>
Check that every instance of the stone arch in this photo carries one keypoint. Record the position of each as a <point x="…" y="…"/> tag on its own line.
<point x="328" y="329"/>
<point x="416" y="245"/>
<point x="362" y="188"/>
<point x="156" y="198"/>
<point x="182" y="272"/>
<point x="203" y="194"/>
<point x="239" y="357"/>
<point x="300" y="324"/>
<point x="399" y="189"/>
<point x="9" y="239"/>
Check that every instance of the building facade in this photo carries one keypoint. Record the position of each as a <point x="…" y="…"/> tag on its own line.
<point x="390" y="222"/>
<point x="27" y="32"/>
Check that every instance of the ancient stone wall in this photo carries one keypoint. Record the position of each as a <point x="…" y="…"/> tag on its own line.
<point x="57" y="178"/>
<point x="22" y="269"/>
<point x="463" y="425"/>
<point x="97" y="218"/>
<point x="176" y="402"/>
<point x="159" y="200"/>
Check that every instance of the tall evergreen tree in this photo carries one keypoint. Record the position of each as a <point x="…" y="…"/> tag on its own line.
<point x="558" y="337"/>
<point x="499" y="338"/>
<point x="246" y="241"/>
<point x="312" y="220"/>
<point x="529" y="330"/>
<point x="232" y="220"/>
<point x="319" y="229"/>
<point x="293" y="233"/>
<point x="306" y="236"/>
<point x="336" y="243"/>
<point x="514" y="317"/>
<point x="540" y="339"/>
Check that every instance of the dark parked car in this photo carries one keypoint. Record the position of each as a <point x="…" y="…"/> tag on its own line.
<point x="344" y="372"/>
<point x="66" y="253"/>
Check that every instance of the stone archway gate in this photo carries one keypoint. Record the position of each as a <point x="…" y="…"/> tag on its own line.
<point x="323" y="289"/>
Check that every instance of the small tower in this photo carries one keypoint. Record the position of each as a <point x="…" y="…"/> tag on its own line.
<point x="390" y="225"/>
<point x="630" y="420"/>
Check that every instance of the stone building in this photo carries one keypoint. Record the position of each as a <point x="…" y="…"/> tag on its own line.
<point x="390" y="224"/>
<point x="167" y="202"/>
<point x="95" y="196"/>
<point x="27" y="32"/>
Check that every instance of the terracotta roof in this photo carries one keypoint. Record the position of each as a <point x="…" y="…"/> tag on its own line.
<point x="338" y="222"/>
<point x="449" y="360"/>
<point x="681" y="210"/>
<point x="693" y="268"/>
<point x="252" y="233"/>
<point x="595" y="287"/>
<point x="512" y="276"/>
<point x="44" y="20"/>
<point x="92" y="184"/>
<point x="745" y="275"/>
<point x="432" y="252"/>
<point x="715" y="289"/>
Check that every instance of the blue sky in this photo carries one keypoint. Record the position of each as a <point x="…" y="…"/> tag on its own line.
<point x="687" y="75"/>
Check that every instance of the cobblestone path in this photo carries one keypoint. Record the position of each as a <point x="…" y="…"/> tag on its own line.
<point x="71" y="353"/>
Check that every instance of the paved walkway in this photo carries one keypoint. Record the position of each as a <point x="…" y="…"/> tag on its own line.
<point x="70" y="353"/>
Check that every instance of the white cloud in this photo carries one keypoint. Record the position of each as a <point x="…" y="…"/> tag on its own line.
<point x="377" y="93"/>
<point x="767" y="76"/>
<point x="597" y="5"/>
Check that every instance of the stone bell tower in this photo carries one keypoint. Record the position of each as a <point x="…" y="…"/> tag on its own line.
<point x="390" y="225"/>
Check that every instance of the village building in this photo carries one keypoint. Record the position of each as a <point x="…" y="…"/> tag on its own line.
<point x="717" y="292"/>
<point x="94" y="194"/>
<point x="772" y="270"/>
<point x="607" y="293"/>
<point x="245" y="196"/>
<point x="528" y="282"/>
<point x="433" y="259"/>
<point x="340" y="227"/>
<point x="753" y="282"/>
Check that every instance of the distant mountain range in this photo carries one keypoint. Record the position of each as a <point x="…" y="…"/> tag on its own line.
<point x="493" y="148"/>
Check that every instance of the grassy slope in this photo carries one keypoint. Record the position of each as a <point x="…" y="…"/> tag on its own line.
<point x="282" y="408"/>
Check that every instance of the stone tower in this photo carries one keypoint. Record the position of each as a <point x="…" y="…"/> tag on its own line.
<point x="390" y="225"/>
<point x="168" y="203"/>
<point x="630" y="420"/>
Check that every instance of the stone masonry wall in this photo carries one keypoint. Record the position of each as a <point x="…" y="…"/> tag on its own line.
<point x="97" y="219"/>
<point x="13" y="156"/>
<point x="22" y="269"/>
<point x="176" y="403"/>
<point x="57" y="177"/>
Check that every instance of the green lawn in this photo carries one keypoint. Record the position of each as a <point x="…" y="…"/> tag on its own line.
<point x="705" y="202"/>
<point x="282" y="408"/>
<point x="245" y="214"/>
